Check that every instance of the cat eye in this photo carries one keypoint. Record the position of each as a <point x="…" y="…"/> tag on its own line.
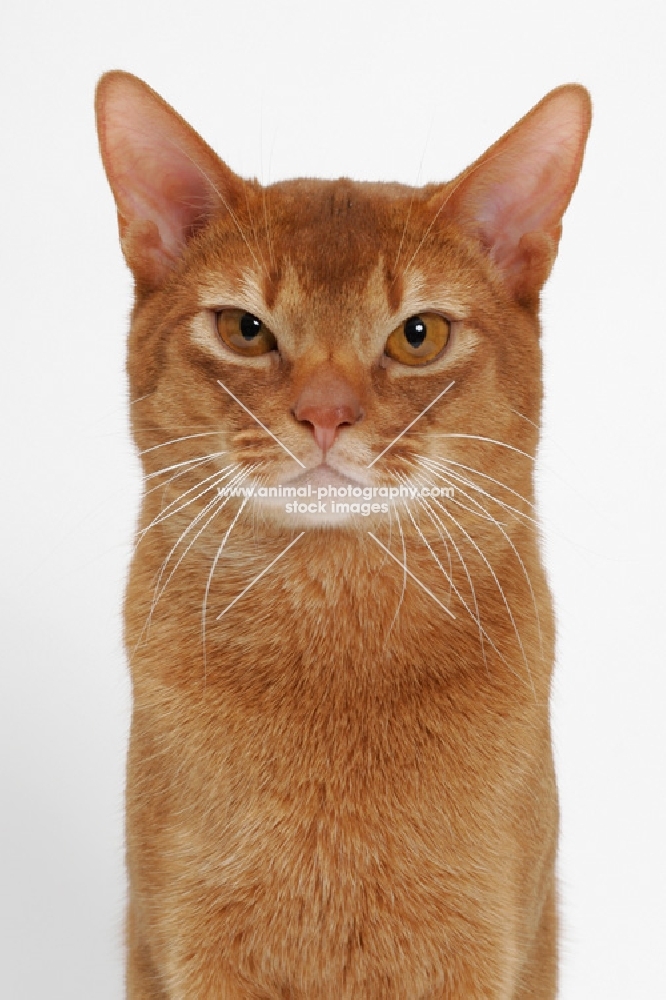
<point x="419" y="340"/>
<point x="244" y="333"/>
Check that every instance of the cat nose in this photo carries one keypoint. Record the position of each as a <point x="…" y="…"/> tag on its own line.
<point x="327" y="402"/>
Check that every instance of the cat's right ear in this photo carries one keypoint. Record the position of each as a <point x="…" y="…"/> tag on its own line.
<point x="166" y="181"/>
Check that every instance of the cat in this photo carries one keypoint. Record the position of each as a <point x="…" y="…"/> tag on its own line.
<point x="340" y="779"/>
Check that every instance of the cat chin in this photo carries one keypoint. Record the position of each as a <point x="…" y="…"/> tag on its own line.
<point x="354" y="516"/>
<point x="357" y="516"/>
<point x="322" y="497"/>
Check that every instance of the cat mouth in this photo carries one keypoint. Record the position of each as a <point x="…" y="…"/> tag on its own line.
<point x="320" y="496"/>
<point x="324" y="475"/>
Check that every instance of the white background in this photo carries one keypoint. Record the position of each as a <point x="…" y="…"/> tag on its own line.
<point x="411" y="92"/>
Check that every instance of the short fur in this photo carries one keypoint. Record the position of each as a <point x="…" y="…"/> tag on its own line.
<point x="336" y="787"/>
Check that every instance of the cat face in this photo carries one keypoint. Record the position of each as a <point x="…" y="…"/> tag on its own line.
<point x="316" y="341"/>
<point x="328" y="315"/>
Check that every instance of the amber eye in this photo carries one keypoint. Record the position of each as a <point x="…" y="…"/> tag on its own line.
<point x="419" y="339"/>
<point x="244" y="333"/>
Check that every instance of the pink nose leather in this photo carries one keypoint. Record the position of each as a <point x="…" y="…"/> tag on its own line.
<point x="327" y="402"/>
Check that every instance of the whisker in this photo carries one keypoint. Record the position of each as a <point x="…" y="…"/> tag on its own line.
<point x="411" y="200"/>
<point x="269" y="240"/>
<point x="140" y="399"/>
<point x="497" y="584"/>
<point x="477" y="472"/>
<point x="457" y="478"/>
<point x="402" y="238"/>
<point x="440" y="475"/>
<point x="498" y="525"/>
<point x="404" y="573"/>
<point x="419" y="477"/>
<point x="487" y="440"/>
<point x="523" y="417"/>
<point x="213" y="480"/>
<point x="425" y="541"/>
<point x="403" y="478"/>
<point x="254" y="231"/>
<point x="412" y="576"/>
<point x="476" y="618"/>
<point x="440" y="526"/>
<point x="210" y="580"/>
<point x="187" y="437"/>
<point x="156" y="596"/>
<point x="390" y="538"/>
<point x="194" y="462"/>
<point x="216" y="504"/>
<point x="177" y="475"/>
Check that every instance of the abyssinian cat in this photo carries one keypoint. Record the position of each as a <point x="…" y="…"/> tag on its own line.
<point x="340" y="780"/>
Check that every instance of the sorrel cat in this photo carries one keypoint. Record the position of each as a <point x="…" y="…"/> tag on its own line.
<point x="340" y="782"/>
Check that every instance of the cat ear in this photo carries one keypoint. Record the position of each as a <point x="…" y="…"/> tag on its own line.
<point x="166" y="181"/>
<point x="514" y="196"/>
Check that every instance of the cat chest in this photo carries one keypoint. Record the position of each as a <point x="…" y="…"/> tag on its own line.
<point x="351" y="899"/>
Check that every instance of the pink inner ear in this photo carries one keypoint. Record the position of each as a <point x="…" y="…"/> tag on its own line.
<point x="523" y="184"/>
<point x="159" y="169"/>
<point x="158" y="183"/>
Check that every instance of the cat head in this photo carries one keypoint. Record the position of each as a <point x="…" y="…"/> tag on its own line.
<point x="332" y="333"/>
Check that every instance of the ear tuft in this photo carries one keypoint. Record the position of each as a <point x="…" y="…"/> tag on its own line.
<point x="165" y="179"/>
<point x="514" y="196"/>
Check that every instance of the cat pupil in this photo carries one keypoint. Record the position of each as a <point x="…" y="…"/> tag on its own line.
<point x="249" y="326"/>
<point x="415" y="331"/>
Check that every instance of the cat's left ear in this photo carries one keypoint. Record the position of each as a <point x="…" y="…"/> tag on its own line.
<point x="514" y="196"/>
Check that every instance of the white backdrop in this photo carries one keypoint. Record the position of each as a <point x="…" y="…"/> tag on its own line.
<point x="378" y="90"/>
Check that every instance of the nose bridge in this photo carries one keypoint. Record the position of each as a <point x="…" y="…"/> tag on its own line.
<point x="329" y="374"/>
